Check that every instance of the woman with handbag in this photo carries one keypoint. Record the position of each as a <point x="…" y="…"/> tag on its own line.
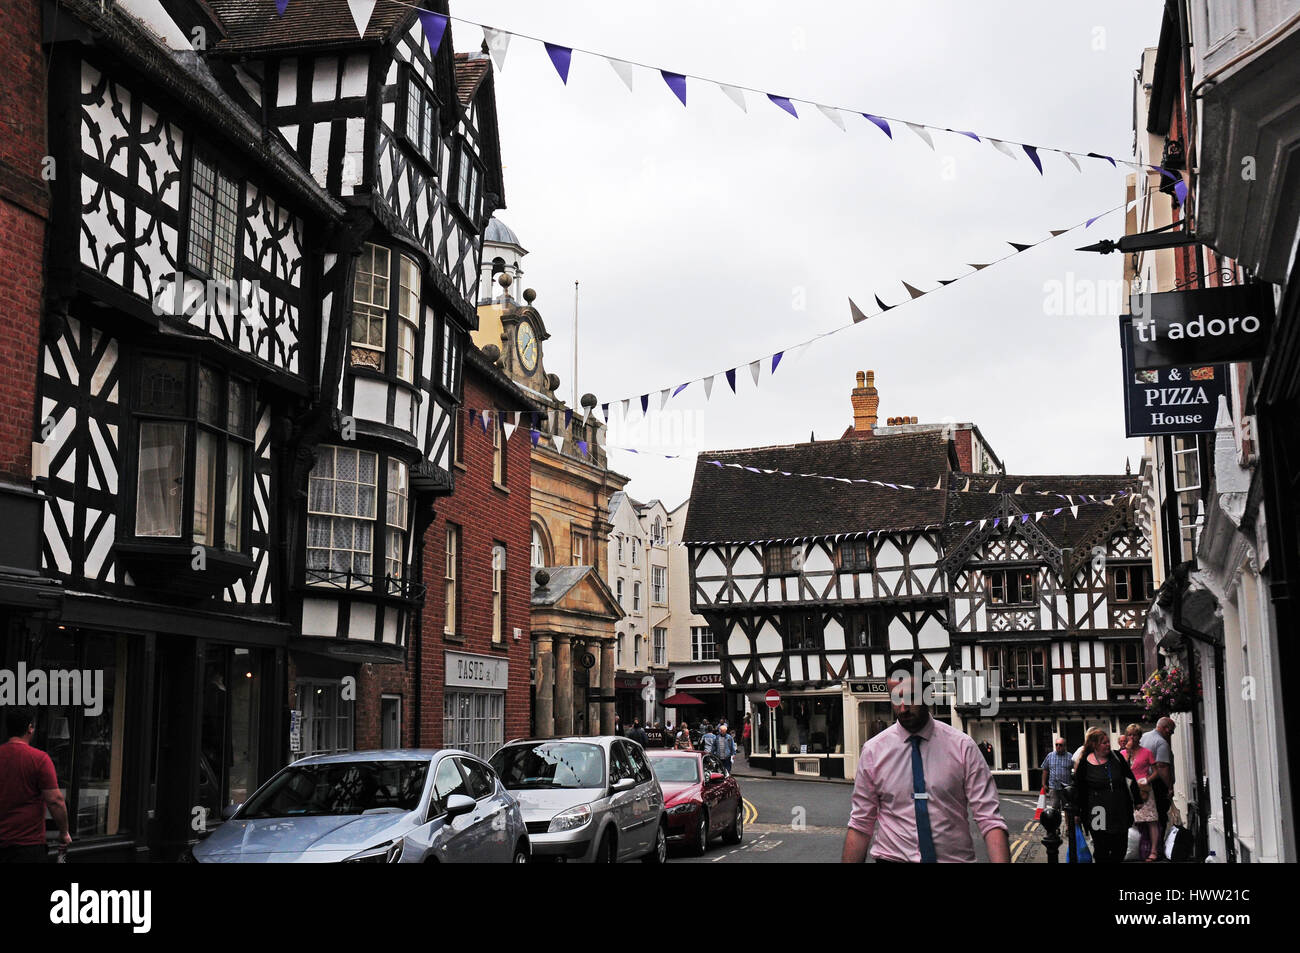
<point x="1105" y="791"/>
<point x="1143" y="765"/>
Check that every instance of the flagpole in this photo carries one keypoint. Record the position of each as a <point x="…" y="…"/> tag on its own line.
<point x="575" y="347"/>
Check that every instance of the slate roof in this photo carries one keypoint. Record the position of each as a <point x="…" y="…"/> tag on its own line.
<point x="563" y="579"/>
<point x="1064" y="529"/>
<point x="255" y="24"/>
<point x="729" y="504"/>
<point x="470" y="70"/>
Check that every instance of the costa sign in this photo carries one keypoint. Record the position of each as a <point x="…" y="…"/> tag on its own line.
<point x="1213" y="325"/>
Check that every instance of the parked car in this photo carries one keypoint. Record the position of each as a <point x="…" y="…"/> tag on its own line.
<point x="586" y="799"/>
<point x="700" y="799"/>
<point x="407" y="806"/>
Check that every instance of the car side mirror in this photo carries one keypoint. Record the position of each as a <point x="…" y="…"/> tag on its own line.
<point x="622" y="784"/>
<point x="457" y="805"/>
<point x="715" y="776"/>
<point x="229" y="810"/>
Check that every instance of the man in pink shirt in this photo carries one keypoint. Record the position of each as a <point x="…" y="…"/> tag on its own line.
<point x="915" y="782"/>
<point x="28" y="785"/>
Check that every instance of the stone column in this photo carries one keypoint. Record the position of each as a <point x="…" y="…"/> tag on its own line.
<point x="563" y="685"/>
<point x="607" y="685"/>
<point x="596" y="684"/>
<point x="545" y="714"/>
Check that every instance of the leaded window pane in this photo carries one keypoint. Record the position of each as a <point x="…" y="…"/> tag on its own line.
<point x="161" y="485"/>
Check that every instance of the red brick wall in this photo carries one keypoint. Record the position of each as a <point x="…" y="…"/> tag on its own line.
<point x="486" y="517"/>
<point x="962" y="440"/>
<point x="24" y="204"/>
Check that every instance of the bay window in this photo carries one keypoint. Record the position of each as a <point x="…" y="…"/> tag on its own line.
<point x="194" y="453"/>
<point x="376" y="293"/>
<point x="342" y="520"/>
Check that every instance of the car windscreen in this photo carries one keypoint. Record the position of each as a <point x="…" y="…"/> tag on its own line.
<point x="346" y="787"/>
<point x="549" y="765"/>
<point x="676" y="769"/>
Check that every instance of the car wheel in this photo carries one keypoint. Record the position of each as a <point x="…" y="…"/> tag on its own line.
<point x="521" y="854"/>
<point x="605" y="853"/>
<point x="736" y="832"/>
<point x="701" y="842"/>
<point x="659" y="855"/>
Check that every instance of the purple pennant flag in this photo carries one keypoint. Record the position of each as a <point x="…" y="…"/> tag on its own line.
<point x="435" y="25"/>
<point x="676" y="82"/>
<point x="604" y="411"/>
<point x="1032" y="152"/>
<point x="645" y="403"/>
<point x="281" y="6"/>
<point x="880" y="123"/>
<point x="473" y="417"/>
<point x="1180" y="192"/>
<point x="1088" y="224"/>
<point x="535" y="435"/>
<point x="776" y="359"/>
<point x="961" y="132"/>
<point x="716" y="463"/>
<point x="568" y="417"/>
<point x="1165" y="172"/>
<point x="731" y="379"/>
<point x="582" y="445"/>
<point x="784" y="104"/>
<point x="1025" y="518"/>
<point x="560" y="56"/>
<point x="681" y="387"/>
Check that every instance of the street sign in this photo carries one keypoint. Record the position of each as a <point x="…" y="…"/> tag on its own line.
<point x="773" y="698"/>
<point x="1203" y="326"/>
<point x="1168" y="400"/>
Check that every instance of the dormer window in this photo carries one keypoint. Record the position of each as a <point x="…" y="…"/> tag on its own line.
<point x="377" y="292"/>
<point x="420" y="120"/>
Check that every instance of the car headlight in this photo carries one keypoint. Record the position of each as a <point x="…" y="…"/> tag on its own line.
<point x="570" y="820"/>
<point x="387" y="853"/>
<point x="689" y="807"/>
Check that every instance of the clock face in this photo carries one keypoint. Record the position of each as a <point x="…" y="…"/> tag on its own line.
<point x="526" y="343"/>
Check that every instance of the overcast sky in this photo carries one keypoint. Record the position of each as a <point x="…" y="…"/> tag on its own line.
<point x="705" y="237"/>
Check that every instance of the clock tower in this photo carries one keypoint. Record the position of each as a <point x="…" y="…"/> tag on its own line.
<point x="512" y="325"/>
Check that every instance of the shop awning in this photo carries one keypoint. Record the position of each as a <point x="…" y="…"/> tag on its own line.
<point x="681" y="699"/>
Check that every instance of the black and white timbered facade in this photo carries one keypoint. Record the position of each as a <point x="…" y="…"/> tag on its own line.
<point x="821" y="589"/>
<point x="1047" y="614"/>
<point x="261" y="272"/>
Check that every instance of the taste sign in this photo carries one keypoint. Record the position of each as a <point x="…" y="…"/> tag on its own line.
<point x="1214" y="325"/>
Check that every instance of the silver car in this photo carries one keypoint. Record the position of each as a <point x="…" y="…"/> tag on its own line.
<point x="403" y="806"/>
<point x="586" y="799"/>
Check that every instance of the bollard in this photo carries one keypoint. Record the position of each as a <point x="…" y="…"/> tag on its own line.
<point x="1051" y="821"/>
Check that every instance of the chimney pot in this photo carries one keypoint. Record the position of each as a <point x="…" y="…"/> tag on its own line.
<point x="866" y="402"/>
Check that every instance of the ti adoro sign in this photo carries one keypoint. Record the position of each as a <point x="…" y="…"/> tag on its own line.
<point x="476" y="671"/>
<point x="1169" y="400"/>
<point x="1212" y="325"/>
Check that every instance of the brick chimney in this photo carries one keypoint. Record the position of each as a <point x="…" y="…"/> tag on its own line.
<point x="865" y="402"/>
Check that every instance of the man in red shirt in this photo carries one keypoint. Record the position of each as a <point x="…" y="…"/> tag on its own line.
<point x="28" y="785"/>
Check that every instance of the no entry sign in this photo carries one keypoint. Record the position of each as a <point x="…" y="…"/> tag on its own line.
<point x="773" y="698"/>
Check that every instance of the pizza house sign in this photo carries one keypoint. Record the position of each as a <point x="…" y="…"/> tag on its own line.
<point x="1214" y="325"/>
<point x="1168" y="400"/>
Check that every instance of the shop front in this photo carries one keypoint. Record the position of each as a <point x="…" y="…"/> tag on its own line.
<point x="640" y="695"/>
<point x="474" y="702"/>
<point x="807" y="730"/>
<point x="704" y="684"/>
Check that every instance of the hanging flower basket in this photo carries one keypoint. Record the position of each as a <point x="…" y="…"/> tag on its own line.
<point x="1168" y="690"/>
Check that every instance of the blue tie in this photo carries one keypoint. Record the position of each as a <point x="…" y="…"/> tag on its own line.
<point x="924" y="839"/>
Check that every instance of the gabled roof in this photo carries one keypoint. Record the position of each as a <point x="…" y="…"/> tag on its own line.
<point x="253" y="25"/>
<point x="729" y="504"/>
<point x="470" y="70"/>
<point x="563" y="581"/>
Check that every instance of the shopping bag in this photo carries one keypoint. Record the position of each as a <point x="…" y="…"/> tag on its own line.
<point x="1082" y="854"/>
<point x="1134" y="851"/>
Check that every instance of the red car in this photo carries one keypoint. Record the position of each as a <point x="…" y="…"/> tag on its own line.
<point x="701" y="801"/>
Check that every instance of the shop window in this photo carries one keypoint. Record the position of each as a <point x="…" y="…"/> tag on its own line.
<point x="1009" y="735"/>
<point x="810" y="725"/>
<point x="1010" y="587"/>
<point x="703" y="646"/>
<point x="81" y="737"/>
<point x="1131" y="584"/>
<point x="803" y="630"/>
<point x="473" y="721"/>
<point x="1125" y="664"/>
<point x="326" y="717"/>
<point x="228" y="739"/>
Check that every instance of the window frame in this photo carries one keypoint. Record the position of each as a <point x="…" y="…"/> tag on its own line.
<point x="659" y="590"/>
<point x="797" y="633"/>
<point x="778" y="560"/>
<point x="451" y="579"/>
<point x="698" y="643"/>
<point x="469" y="206"/>
<point x="1121" y="648"/>
<point x="578" y="548"/>
<point x="636" y="595"/>
<point x="991" y="578"/>
<point x="1012" y="653"/>
<point x="398" y="294"/>
<point x="499" y="467"/>
<point x="1132" y="575"/>
<point x="659" y="646"/>
<point x="219" y="172"/>
<point x="874" y="621"/>
<point x="498" y="571"/>
<point x="429" y="121"/>
<point x="858" y="558"/>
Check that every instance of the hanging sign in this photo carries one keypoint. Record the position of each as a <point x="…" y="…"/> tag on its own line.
<point x="1174" y="328"/>
<point x="1168" y="400"/>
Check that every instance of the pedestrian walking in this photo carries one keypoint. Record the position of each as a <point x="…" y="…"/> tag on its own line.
<point x="684" y="738"/>
<point x="708" y="740"/>
<point x="747" y="736"/>
<point x="1104" y="794"/>
<point x="724" y="748"/>
<point x="638" y="734"/>
<point x="1143" y="765"/>
<point x="1057" y="770"/>
<point x="28" y="787"/>
<point x="915" y="783"/>
<point x="1162" y="779"/>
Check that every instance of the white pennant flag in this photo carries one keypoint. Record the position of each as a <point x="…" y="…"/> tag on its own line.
<point x="626" y="403"/>
<point x="498" y="42"/>
<point x="754" y="369"/>
<point x="1074" y="511"/>
<point x="1002" y="147"/>
<point x="663" y="397"/>
<point x="833" y="114"/>
<point x="708" y="387"/>
<point x="361" y="10"/>
<point x="737" y="96"/>
<point x="922" y="132"/>
<point x="509" y="427"/>
<point x="559" y="442"/>
<point x="1074" y="162"/>
<point x="623" y="69"/>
